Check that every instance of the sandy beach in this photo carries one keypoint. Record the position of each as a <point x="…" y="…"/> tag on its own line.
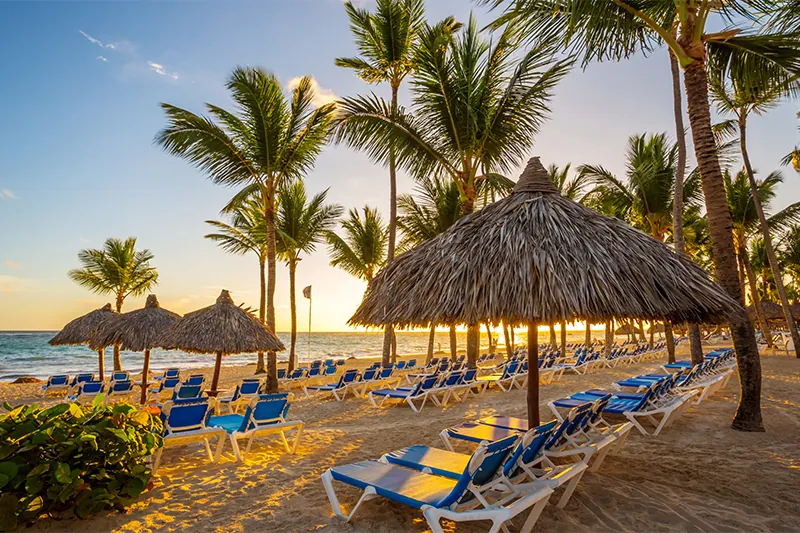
<point x="698" y="475"/>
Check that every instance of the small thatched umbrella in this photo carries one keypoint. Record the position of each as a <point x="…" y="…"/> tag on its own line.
<point x="769" y="310"/>
<point x="222" y="329"/>
<point x="135" y="331"/>
<point x="795" y="308"/>
<point x="77" y="332"/>
<point x="538" y="257"/>
<point x="656" y="328"/>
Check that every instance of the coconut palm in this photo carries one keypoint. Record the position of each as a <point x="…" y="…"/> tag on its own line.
<point x="362" y="250"/>
<point x="476" y="109"/>
<point x="246" y="233"/>
<point x="301" y="223"/>
<point x="574" y="188"/>
<point x="790" y="254"/>
<point x="119" y="269"/>
<point x="793" y="157"/>
<point x="615" y="30"/>
<point x="734" y="97"/>
<point x="267" y="141"/>
<point x="385" y="40"/>
<point x="760" y="265"/>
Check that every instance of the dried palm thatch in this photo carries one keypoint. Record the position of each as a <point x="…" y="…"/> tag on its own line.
<point x="136" y="331"/>
<point x="795" y="309"/>
<point x="657" y="328"/>
<point x="627" y="329"/>
<point x="537" y="256"/>
<point x="769" y="310"/>
<point x="78" y="330"/>
<point x="223" y="329"/>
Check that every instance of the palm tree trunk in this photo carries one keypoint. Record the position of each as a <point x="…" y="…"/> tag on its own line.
<point x="117" y="358"/>
<point x="272" y="357"/>
<point x="563" y="339"/>
<point x="394" y="346"/>
<point x="553" y="341"/>
<point x="388" y="333"/>
<point x="670" y="339"/>
<point x="431" y="340"/>
<point x="262" y="307"/>
<point x="533" y="374"/>
<point x="293" y="313"/>
<point x="773" y="261"/>
<point x="453" y="343"/>
<point x="489" y="335"/>
<point x="473" y="344"/>
<point x="748" y="413"/>
<point x="609" y="340"/>
<point x="751" y="279"/>
<point x="588" y="339"/>
<point x="507" y="340"/>
<point x="652" y="335"/>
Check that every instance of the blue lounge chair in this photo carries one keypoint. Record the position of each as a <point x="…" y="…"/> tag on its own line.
<point x="120" y="375"/>
<point x="81" y="378"/>
<point x="440" y="497"/>
<point x="242" y="395"/>
<point x="195" y="379"/>
<point x="504" y="379"/>
<point x="56" y="385"/>
<point x="87" y="391"/>
<point x="338" y="389"/>
<point x="170" y="373"/>
<point x="281" y="373"/>
<point x="120" y="391"/>
<point x="468" y="384"/>
<point x="417" y="393"/>
<point x="265" y="415"/>
<point x="185" y="391"/>
<point x="185" y="422"/>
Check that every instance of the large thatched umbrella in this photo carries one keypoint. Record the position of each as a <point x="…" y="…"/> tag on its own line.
<point x="769" y="310"/>
<point x="538" y="257"/>
<point x="78" y="330"/>
<point x="222" y="329"/>
<point x="136" y="331"/>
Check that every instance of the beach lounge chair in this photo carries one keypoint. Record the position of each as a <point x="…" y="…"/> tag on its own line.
<point x="185" y="422"/>
<point x="185" y="391"/>
<point x="81" y="378"/>
<point x="411" y="395"/>
<point x="383" y="378"/>
<point x="281" y="373"/>
<point x="170" y="373"/>
<point x="120" y="391"/>
<point x="242" y="395"/>
<point x="56" y="385"/>
<point x="196" y="379"/>
<point x="120" y="375"/>
<point x="87" y="391"/>
<point x="505" y="379"/>
<point x="469" y="385"/>
<point x="164" y="390"/>
<point x="338" y="389"/>
<point x="265" y="415"/>
<point x="440" y="497"/>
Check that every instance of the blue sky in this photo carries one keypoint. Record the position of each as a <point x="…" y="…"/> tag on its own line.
<point x="82" y="84"/>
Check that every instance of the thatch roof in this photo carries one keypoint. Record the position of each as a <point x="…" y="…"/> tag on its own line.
<point x="78" y="330"/>
<point x="537" y="256"/>
<point x="222" y="327"/>
<point x="137" y="330"/>
<point x="658" y="328"/>
<point x="795" y="308"/>
<point x="627" y="329"/>
<point x="769" y="310"/>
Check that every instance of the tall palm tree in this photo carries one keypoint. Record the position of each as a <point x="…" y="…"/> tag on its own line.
<point x="615" y="30"/>
<point x="747" y="222"/>
<point x="119" y="269"/>
<point x="734" y="97"/>
<point x="573" y="188"/>
<point x="790" y="254"/>
<point x="386" y="40"/>
<point x="246" y="233"/>
<point x="476" y="109"/>
<point x="301" y="224"/>
<point x="362" y="250"/>
<point x="267" y="141"/>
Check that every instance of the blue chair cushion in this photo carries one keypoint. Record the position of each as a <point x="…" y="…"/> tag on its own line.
<point x="480" y="432"/>
<point x="229" y="423"/>
<point x="441" y="462"/>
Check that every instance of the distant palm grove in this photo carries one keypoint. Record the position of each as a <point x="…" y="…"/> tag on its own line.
<point x="479" y="93"/>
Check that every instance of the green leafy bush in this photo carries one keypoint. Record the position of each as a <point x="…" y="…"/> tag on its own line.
<point x="73" y="460"/>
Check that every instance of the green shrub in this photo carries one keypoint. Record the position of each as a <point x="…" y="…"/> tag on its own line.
<point x="72" y="460"/>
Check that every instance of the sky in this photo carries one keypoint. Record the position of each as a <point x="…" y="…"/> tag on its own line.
<point x="81" y="91"/>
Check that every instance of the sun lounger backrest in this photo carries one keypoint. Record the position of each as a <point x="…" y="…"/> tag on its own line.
<point x="511" y="369"/>
<point x="401" y="365"/>
<point x="196" y="379"/>
<point x="369" y="374"/>
<point x="90" y="387"/>
<point x="185" y="391"/>
<point x="121" y="376"/>
<point x="186" y="415"/>
<point x="121" y="386"/>
<point x="250" y="387"/>
<point x="573" y="419"/>
<point x="172" y="373"/>
<point x="386" y="372"/>
<point x="484" y="464"/>
<point x="528" y="448"/>
<point x="170" y="383"/>
<point x="348" y="377"/>
<point x="597" y="409"/>
<point x="80" y="378"/>
<point x="60" y="379"/>
<point x="411" y="363"/>
<point x="470" y="375"/>
<point x="264" y="410"/>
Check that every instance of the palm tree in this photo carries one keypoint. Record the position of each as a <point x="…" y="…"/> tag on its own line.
<point x="118" y="269"/>
<point x="793" y="157"/>
<point x="266" y="142"/>
<point x="246" y="233"/>
<point x="615" y="30"/>
<point x="386" y="40"/>
<point x="575" y="188"/>
<point x="746" y="223"/>
<point x="790" y="255"/>
<point x="362" y="251"/>
<point x="301" y="224"/>
<point x="451" y="131"/>
<point x="734" y="96"/>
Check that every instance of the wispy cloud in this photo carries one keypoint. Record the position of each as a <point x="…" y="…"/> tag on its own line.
<point x="5" y="193"/>
<point x="98" y="42"/>
<point x="161" y="70"/>
<point x="12" y="284"/>
<point x="12" y="264"/>
<point x="102" y="58"/>
<point x="322" y="96"/>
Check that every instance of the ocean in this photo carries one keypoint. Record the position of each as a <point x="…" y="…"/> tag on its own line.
<point x="26" y="353"/>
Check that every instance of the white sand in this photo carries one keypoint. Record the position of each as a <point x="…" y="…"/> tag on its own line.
<point x="698" y="475"/>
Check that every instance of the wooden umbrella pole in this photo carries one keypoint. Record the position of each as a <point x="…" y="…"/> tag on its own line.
<point x="145" y="372"/>
<point x="533" y="373"/>
<point x="215" y="379"/>
<point x="101" y="363"/>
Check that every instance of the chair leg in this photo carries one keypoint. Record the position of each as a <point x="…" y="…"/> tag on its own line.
<point x="235" y="445"/>
<point x="285" y="442"/>
<point x="220" y="445"/>
<point x="536" y="511"/>
<point x="208" y="450"/>
<point x="157" y="459"/>
<point x="297" y="438"/>
<point x="568" y="490"/>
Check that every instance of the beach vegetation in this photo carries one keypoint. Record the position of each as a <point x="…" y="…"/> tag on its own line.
<point x="361" y="252"/>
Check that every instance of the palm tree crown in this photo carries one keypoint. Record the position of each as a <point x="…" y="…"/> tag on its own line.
<point x="362" y="251"/>
<point x="118" y="269"/>
<point x="574" y="188"/>
<point x="301" y="223"/>
<point x="245" y="233"/>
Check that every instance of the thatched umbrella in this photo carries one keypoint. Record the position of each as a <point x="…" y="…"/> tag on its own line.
<point x="538" y="257"/>
<point x="77" y="332"/>
<point x="656" y="328"/>
<point x="769" y="310"/>
<point x="795" y="308"/>
<point x="222" y="329"/>
<point x="135" y="331"/>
